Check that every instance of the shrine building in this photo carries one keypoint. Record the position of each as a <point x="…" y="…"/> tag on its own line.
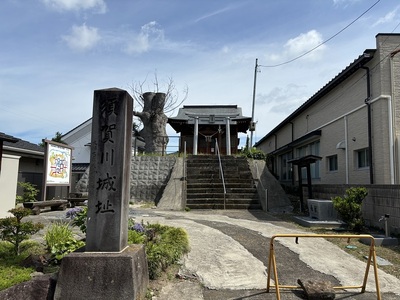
<point x="200" y="126"/>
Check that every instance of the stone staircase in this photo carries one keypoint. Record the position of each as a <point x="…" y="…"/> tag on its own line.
<point x="204" y="184"/>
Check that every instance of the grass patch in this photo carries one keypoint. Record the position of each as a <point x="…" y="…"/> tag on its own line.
<point x="11" y="275"/>
<point x="11" y="271"/>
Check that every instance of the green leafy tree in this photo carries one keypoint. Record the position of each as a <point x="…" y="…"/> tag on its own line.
<point x="13" y="230"/>
<point x="57" y="138"/>
<point x="349" y="207"/>
<point x="29" y="192"/>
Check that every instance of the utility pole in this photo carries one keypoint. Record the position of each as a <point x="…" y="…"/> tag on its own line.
<point x="253" y="124"/>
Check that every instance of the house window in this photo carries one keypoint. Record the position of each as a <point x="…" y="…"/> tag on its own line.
<point x="363" y="158"/>
<point x="286" y="168"/>
<point x="332" y="163"/>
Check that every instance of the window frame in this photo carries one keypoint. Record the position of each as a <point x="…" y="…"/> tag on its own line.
<point x="285" y="168"/>
<point x="363" y="162"/>
<point x="335" y="165"/>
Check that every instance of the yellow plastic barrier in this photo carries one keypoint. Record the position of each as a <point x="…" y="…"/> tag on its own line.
<point x="371" y="260"/>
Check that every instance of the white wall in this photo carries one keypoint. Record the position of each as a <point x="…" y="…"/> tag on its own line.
<point x="79" y="138"/>
<point x="8" y="183"/>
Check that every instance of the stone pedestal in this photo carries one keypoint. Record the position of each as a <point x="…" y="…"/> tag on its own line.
<point x="104" y="275"/>
<point x="321" y="209"/>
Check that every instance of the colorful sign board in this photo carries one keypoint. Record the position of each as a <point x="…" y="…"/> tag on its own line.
<point x="58" y="164"/>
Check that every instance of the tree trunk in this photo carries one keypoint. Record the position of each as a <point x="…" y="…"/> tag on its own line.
<point x="154" y="122"/>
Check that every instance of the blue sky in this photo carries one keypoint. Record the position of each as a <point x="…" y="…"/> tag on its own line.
<point x="55" y="53"/>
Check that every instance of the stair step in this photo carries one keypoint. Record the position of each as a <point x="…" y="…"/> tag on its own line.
<point x="204" y="184"/>
<point x="221" y="201"/>
<point x="227" y="206"/>
<point x="229" y="185"/>
<point x="220" y="189"/>
<point x="249" y="196"/>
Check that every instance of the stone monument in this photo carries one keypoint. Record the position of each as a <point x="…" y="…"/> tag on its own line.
<point x="110" y="159"/>
<point x="108" y="268"/>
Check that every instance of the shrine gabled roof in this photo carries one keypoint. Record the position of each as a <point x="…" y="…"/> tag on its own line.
<point x="187" y="114"/>
<point x="190" y="111"/>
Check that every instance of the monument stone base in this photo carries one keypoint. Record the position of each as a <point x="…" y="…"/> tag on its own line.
<point x="104" y="275"/>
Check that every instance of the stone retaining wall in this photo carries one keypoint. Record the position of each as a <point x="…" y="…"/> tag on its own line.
<point x="149" y="176"/>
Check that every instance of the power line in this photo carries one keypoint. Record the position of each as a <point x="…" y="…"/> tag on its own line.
<point x="324" y="42"/>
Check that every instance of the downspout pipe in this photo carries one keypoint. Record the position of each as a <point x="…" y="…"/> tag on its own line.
<point x="291" y="123"/>
<point x="293" y="179"/>
<point x="346" y="137"/>
<point x="395" y="149"/>
<point x="275" y="168"/>
<point x="367" y="102"/>
<point x="390" y="132"/>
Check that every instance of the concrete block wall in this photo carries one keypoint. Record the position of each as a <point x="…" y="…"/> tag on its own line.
<point x="149" y="176"/>
<point x="381" y="200"/>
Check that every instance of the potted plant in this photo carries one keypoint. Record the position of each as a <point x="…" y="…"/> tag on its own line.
<point x="29" y="194"/>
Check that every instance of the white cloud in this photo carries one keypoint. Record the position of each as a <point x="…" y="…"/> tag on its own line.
<point x="82" y="38"/>
<point x="76" y="5"/>
<point x="389" y="17"/>
<point x="150" y="35"/>
<point x="304" y="43"/>
<point x="283" y="100"/>
<point x="218" y="12"/>
<point x="226" y="49"/>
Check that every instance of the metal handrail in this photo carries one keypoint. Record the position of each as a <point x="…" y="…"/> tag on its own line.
<point x="221" y="171"/>
<point x="184" y="177"/>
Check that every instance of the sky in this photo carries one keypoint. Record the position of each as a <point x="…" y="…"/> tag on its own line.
<point x="55" y="53"/>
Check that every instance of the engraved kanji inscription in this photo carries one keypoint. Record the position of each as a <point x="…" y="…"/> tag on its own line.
<point x="106" y="183"/>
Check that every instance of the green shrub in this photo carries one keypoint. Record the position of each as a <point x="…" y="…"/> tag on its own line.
<point x="349" y="207"/>
<point x="164" y="245"/>
<point x="29" y="192"/>
<point x="59" y="250"/>
<point x="254" y="153"/>
<point x="57" y="233"/>
<point x="31" y="247"/>
<point x="78" y="215"/>
<point x="135" y="237"/>
<point x="13" y="230"/>
<point x="60" y="240"/>
<point x="165" y="249"/>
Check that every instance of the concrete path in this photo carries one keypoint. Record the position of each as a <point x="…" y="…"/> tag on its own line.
<point x="229" y="257"/>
